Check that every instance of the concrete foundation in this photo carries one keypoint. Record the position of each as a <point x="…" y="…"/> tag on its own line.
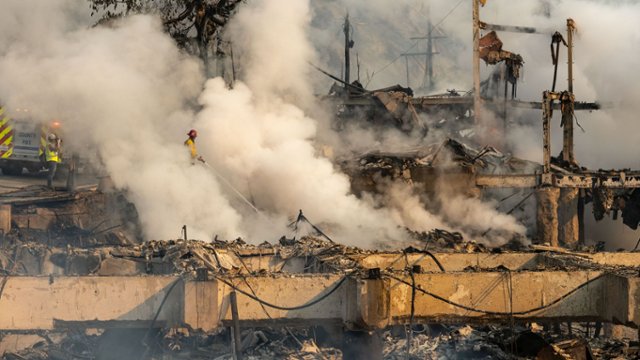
<point x="44" y="303"/>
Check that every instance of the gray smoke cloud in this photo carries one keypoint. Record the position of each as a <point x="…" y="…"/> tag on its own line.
<point x="128" y="93"/>
<point x="261" y="134"/>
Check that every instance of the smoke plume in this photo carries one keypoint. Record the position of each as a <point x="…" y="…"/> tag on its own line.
<point x="123" y="93"/>
<point x="126" y="93"/>
<point x="604" y="58"/>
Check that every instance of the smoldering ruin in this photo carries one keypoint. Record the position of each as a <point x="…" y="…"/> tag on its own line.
<point x="417" y="180"/>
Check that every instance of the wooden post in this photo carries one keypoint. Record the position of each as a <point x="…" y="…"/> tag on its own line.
<point x="571" y="26"/>
<point x="347" y="47"/>
<point x="581" y="201"/>
<point x="5" y="218"/>
<point x="237" y="341"/>
<point x="568" y="100"/>
<point x="429" y="69"/>
<point x="546" y="137"/>
<point x="477" y="101"/>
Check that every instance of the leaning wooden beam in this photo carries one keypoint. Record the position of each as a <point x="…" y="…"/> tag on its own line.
<point x="511" y="28"/>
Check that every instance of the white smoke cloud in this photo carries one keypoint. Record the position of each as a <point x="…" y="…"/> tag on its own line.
<point x="128" y="92"/>
<point x="604" y="59"/>
<point x="256" y="136"/>
<point x="480" y="219"/>
<point x="259" y="136"/>
<point x="604" y="62"/>
<point x="123" y="91"/>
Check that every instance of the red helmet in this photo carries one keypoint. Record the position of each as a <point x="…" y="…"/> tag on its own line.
<point x="192" y="133"/>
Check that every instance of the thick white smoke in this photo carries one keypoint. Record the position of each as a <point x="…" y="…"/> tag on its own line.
<point x="258" y="138"/>
<point x="604" y="62"/>
<point x="121" y="91"/>
<point x="127" y="92"/>
<point x="604" y="59"/>
<point x="454" y="212"/>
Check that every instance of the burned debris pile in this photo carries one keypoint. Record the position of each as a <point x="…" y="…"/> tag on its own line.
<point x="55" y="236"/>
<point x="391" y="107"/>
<point x="448" y="154"/>
<point x="429" y="342"/>
<point x="515" y="342"/>
<point x="82" y="219"/>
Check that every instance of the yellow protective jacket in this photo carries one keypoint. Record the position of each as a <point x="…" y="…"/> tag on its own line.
<point x="192" y="148"/>
<point x="52" y="153"/>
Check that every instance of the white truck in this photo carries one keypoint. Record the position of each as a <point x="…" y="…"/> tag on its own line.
<point x="22" y="142"/>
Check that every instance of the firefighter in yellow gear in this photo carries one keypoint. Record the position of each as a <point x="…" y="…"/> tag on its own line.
<point x="52" y="156"/>
<point x="191" y="144"/>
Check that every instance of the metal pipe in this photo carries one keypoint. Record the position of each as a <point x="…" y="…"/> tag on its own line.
<point x="237" y="341"/>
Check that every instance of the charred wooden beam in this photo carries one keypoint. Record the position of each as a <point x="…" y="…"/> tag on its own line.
<point x="510" y="28"/>
<point x="579" y="105"/>
<point x="616" y="180"/>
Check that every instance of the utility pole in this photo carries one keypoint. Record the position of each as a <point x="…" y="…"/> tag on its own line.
<point x="429" y="64"/>
<point x="571" y="26"/>
<point x="568" y="102"/>
<point x="572" y="201"/>
<point x="348" y="44"/>
<point x="406" y="63"/>
<point x="477" y="101"/>
<point x="427" y="81"/>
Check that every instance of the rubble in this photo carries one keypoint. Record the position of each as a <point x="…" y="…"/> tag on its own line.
<point x="493" y="342"/>
<point x="307" y="254"/>
<point x="428" y="342"/>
